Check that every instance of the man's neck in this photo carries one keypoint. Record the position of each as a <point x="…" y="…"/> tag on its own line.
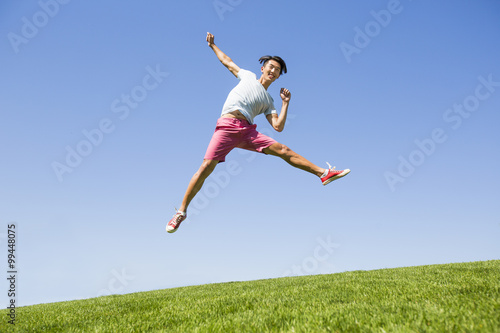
<point x="265" y="83"/>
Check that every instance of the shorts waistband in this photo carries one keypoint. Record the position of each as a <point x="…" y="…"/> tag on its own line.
<point x="234" y="121"/>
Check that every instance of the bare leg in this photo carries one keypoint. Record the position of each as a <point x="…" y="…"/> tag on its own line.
<point x="294" y="159"/>
<point x="197" y="181"/>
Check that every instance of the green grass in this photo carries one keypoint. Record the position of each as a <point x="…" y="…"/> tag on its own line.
<point x="461" y="297"/>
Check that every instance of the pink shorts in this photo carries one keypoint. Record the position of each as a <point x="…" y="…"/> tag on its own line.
<point x="235" y="133"/>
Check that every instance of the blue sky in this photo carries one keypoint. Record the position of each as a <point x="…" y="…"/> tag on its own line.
<point x="404" y="93"/>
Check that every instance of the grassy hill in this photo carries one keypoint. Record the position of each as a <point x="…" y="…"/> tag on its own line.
<point x="461" y="297"/>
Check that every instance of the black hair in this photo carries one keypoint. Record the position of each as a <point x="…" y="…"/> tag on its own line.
<point x="266" y="58"/>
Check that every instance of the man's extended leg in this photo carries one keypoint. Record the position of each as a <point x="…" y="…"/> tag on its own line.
<point x="295" y="160"/>
<point x="206" y="168"/>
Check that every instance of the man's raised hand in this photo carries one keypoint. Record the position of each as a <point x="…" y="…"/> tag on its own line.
<point x="285" y="95"/>
<point x="210" y="39"/>
<point x="224" y="59"/>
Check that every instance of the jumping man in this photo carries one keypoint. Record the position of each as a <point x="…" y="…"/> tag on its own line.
<point x="235" y="127"/>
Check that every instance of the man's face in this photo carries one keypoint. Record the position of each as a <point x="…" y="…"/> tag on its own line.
<point x="271" y="70"/>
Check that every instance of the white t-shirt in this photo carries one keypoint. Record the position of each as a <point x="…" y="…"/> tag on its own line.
<point x="249" y="97"/>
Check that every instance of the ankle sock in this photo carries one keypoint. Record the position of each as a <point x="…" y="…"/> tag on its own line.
<point x="325" y="173"/>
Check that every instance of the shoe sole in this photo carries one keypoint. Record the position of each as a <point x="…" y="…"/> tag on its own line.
<point x="340" y="175"/>
<point x="171" y="231"/>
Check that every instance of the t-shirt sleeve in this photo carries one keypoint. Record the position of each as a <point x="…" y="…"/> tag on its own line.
<point x="243" y="74"/>
<point x="271" y="110"/>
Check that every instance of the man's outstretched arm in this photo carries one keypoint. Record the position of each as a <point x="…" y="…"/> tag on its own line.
<point x="226" y="61"/>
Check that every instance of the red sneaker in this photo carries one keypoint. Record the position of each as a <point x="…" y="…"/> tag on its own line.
<point x="333" y="174"/>
<point x="175" y="222"/>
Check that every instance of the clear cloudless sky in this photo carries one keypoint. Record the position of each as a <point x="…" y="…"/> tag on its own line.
<point x="107" y="109"/>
